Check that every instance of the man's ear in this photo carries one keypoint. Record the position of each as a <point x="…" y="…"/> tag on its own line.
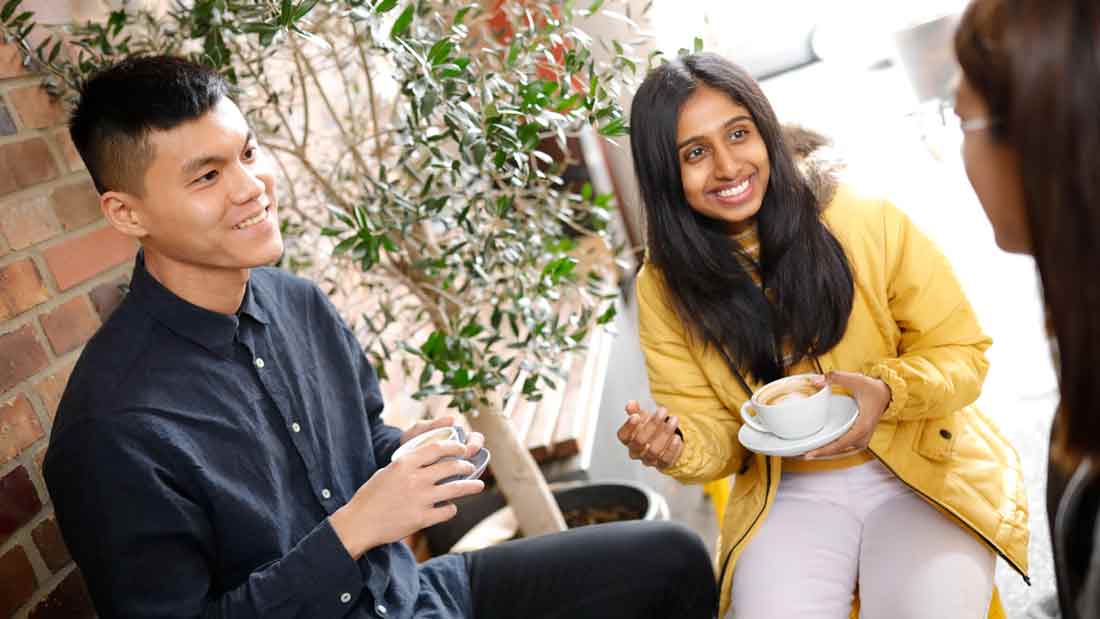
<point x="124" y="212"/>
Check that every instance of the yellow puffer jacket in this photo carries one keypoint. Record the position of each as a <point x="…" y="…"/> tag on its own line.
<point x="910" y="326"/>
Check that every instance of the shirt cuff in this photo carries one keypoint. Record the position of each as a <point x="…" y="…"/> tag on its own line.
<point x="333" y="575"/>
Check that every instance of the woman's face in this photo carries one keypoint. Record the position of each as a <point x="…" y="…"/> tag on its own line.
<point x="723" y="160"/>
<point x="993" y="170"/>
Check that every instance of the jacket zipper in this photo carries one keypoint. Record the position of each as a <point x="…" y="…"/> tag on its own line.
<point x="767" y="492"/>
<point x="962" y="522"/>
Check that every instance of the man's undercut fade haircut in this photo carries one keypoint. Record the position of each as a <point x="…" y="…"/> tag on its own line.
<point x="119" y="107"/>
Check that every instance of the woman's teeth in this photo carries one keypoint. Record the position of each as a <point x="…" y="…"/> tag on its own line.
<point x="736" y="190"/>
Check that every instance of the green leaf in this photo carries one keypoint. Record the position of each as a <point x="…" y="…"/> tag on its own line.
<point x="304" y="8"/>
<point x="440" y="52"/>
<point x="698" y="44"/>
<point x="513" y="53"/>
<point x="614" y="128"/>
<point x="471" y="330"/>
<point x="9" y="9"/>
<point x="608" y="315"/>
<point x="595" y="6"/>
<point x="403" y="22"/>
<point x="461" y="14"/>
<point x="385" y="6"/>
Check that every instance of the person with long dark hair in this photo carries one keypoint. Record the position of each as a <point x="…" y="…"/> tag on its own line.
<point x="762" y="265"/>
<point x="1029" y="105"/>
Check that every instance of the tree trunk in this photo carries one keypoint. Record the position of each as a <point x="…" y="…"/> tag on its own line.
<point x="518" y="475"/>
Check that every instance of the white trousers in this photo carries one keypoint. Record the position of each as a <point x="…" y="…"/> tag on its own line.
<point x="830" y="531"/>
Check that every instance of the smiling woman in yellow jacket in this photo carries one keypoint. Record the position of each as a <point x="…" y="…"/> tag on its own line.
<point x="923" y="492"/>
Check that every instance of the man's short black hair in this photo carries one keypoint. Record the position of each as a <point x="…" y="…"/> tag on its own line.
<point x="119" y="107"/>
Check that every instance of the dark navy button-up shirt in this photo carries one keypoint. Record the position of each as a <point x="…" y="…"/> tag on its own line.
<point x="196" y="457"/>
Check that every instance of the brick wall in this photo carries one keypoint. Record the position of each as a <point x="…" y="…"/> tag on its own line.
<point x="61" y="268"/>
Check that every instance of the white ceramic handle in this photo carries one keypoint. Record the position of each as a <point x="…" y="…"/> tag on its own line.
<point x="747" y="417"/>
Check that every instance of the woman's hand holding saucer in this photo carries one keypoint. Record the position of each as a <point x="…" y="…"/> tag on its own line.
<point x="873" y="398"/>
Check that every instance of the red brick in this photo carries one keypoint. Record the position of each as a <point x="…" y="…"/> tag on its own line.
<point x="11" y="62"/>
<point x="18" y="580"/>
<point x="68" y="149"/>
<point x="70" y="324"/>
<point x="28" y="221"/>
<point x="37" y="108"/>
<point x="85" y="256"/>
<point x="18" y="502"/>
<point x="21" y="356"/>
<point x="26" y="163"/>
<point x="21" y="288"/>
<point x="70" y="600"/>
<point x="76" y="205"/>
<point x="47" y="536"/>
<point x="51" y="388"/>
<point x="19" y="427"/>
<point x="106" y="297"/>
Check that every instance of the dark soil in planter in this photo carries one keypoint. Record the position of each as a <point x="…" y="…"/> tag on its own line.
<point x="582" y="516"/>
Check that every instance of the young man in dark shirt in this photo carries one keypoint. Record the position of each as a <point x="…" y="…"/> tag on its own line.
<point x="219" y="450"/>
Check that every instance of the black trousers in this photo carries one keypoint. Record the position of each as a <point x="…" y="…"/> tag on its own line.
<point x="632" y="570"/>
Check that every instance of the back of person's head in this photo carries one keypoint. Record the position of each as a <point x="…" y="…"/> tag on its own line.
<point x="119" y="107"/>
<point x="1036" y="65"/>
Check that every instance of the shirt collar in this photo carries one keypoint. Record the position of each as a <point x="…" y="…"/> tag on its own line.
<point x="211" y="330"/>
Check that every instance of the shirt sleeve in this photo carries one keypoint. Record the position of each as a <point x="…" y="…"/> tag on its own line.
<point x="941" y="363"/>
<point x="154" y="557"/>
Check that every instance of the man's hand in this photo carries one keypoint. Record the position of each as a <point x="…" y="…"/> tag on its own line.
<point x="872" y="397"/>
<point x="401" y="498"/>
<point x="651" y="437"/>
<point x="474" y="441"/>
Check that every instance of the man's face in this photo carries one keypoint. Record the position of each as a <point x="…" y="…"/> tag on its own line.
<point x="209" y="200"/>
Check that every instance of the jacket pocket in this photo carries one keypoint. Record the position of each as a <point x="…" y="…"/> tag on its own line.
<point x="937" y="437"/>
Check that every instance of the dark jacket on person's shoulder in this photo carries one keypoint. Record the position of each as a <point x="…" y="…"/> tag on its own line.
<point x="1073" y="502"/>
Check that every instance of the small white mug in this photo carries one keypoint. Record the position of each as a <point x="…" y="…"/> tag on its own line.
<point x="789" y="407"/>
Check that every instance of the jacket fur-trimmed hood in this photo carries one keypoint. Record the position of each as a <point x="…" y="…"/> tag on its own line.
<point x="816" y="159"/>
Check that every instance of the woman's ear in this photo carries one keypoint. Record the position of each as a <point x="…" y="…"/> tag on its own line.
<point x="124" y="212"/>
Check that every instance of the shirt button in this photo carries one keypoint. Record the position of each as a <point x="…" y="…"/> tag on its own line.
<point x="381" y="610"/>
<point x="345" y="597"/>
<point x="259" y="363"/>
<point x="326" y="493"/>
<point x="294" y="426"/>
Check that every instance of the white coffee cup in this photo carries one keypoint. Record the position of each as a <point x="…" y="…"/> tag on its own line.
<point x="480" y="460"/>
<point x="791" y="407"/>
<point x="448" y="433"/>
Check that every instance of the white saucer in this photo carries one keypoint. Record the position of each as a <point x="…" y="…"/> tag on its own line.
<point x="842" y="414"/>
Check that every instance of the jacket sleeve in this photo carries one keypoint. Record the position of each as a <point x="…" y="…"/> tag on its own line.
<point x="940" y="363"/>
<point x="677" y="382"/>
<point x="147" y="549"/>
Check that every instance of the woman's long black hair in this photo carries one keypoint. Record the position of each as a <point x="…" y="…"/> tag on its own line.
<point x="802" y="264"/>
